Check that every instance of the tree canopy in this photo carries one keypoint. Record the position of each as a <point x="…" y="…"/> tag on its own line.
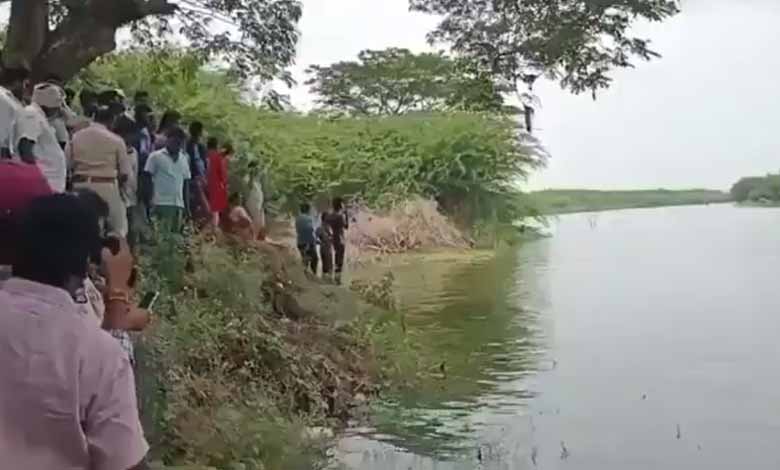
<point x="757" y="189"/>
<point x="396" y="81"/>
<point x="60" y="37"/>
<point x="463" y="159"/>
<point x="578" y="42"/>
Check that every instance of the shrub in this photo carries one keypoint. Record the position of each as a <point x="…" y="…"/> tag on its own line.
<point x="226" y="380"/>
<point x="470" y="163"/>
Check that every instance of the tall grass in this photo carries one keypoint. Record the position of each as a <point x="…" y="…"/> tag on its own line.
<point x="471" y="163"/>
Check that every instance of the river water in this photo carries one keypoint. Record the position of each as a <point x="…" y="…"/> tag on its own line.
<point x="637" y="339"/>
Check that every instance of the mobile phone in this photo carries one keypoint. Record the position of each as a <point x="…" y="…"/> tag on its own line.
<point x="148" y="300"/>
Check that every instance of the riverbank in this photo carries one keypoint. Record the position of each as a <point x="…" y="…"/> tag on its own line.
<point x="250" y="363"/>
<point x="254" y="362"/>
<point x="766" y="204"/>
<point x="565" y="201"/>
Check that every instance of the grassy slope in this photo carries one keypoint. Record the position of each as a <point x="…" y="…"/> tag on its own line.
<point x="246" y="353"/>
<point x="561" y="201"/>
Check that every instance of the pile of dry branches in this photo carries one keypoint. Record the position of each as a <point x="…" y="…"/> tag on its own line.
<point x="410" y="225"/>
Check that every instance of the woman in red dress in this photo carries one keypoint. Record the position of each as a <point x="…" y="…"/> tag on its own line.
<point x="217" y="179"/>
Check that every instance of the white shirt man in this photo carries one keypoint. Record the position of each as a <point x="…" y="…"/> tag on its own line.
<point x="32" y="125"/>
<point x="10" y="107"/>
<point x="168" y="177"/>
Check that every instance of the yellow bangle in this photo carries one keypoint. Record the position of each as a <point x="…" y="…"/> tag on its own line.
<point x="119" y="296"/>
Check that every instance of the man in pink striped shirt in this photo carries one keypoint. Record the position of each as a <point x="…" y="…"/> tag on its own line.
<point x="67" y="398"/>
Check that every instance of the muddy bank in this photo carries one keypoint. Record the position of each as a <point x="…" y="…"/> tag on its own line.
<point x="250" y="353"/>
<point x="407" y="227"/>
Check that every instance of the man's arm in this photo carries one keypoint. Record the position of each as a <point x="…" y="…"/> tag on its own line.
<point x="28" y="130"/>
<point x="142" y="465"/>
<point x="186" y="188"/>
<point x="186" y="196"/>
<point x="147" y="183"/>
<point x="115" y="439"/>
<point x="26" y="150"/>
<point x="123" y="163"/>
<point x="8" y="118"/>
<point x="146" y="188"/>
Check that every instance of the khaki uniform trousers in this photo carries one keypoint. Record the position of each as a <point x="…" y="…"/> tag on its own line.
<point x="109" y="192"/>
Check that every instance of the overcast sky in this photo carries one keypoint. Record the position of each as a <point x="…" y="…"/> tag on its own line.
<point x="702" y="116"/>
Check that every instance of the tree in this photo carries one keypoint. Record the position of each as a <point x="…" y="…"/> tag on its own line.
<point x="397" y="81"/>
<point x="742" y="188"/>
<point x="60" y="37"/>
<point x="756" y="188"/>
<point x="578" y="42"/>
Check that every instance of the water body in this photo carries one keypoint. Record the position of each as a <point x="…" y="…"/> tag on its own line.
<point x="637" y="339"/>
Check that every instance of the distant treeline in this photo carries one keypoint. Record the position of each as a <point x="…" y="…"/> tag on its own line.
<point x="757" y="189"/>
<point x="561" y="201"/>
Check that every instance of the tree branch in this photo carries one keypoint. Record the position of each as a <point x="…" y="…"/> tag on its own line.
<point x="89" y="33"/>
<point x="28" y="26"/>
<point x="121" y="12"/>
<point x="154" y="8"/>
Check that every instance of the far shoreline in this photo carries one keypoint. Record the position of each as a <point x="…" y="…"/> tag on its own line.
<point x="572" y="201"/>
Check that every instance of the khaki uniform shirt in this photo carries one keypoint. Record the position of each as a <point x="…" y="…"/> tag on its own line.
<point x="98" y="152"/>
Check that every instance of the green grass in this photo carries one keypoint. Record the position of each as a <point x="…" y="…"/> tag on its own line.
<point x="226" y="380"/>
<point x="563" y="201"/>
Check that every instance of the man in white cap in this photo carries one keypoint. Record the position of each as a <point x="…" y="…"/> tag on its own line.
<point x="36" y="139"/>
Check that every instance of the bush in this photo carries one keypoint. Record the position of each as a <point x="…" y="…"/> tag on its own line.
<point x="470" y="163"/>
<point x="757" y="189"/>
<point x="225" y="379"/>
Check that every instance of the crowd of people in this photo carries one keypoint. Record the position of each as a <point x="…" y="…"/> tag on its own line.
<point x="144" y="172"/>
<point x="79" y="192"/>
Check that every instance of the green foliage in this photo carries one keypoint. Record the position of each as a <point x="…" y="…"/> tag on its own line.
<point x="397" y="81"/>
<point x="757" y="189"/>
<point x="742" y="188"/>
<point x="467" y="161"/>
<point x="379" y="293"/>
<point x="462" y="160"/>
<point x="225" y="381"/>
<point x="558" y="201"/>
<point x="257" y="38"/>
<point x="575" y="41"/>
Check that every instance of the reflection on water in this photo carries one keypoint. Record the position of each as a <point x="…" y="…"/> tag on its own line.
<point x="474" y="315"/>
<point x="642" y="339"/>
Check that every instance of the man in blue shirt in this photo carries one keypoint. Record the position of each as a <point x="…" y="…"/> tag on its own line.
<point x="307" y="241"/>
<point x="169" y="172"/>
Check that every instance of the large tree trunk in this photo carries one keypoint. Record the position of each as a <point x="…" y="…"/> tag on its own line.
<point x="86" y="33"/>
<point x="72" y="46"/>
<point x="27" y="30"/>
